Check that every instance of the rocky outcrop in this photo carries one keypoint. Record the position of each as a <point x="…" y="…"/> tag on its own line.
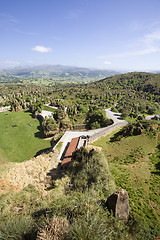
<point x="118" y="204"/>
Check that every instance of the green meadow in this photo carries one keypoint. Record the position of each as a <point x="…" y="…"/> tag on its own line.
<point x="20" y="137"/>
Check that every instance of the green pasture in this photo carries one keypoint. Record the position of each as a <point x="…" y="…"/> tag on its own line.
<point x="20" y="137"/>
<point x="135" y="166"/>
<point x="136" y="146"/>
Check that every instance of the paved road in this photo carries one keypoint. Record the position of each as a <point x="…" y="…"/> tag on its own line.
<point x="151" y="117"/>
<point x="4" y="109"/>
<point x="116" y="117"/>
<point x="118" y="122"/>
<point x="47" y="114"/>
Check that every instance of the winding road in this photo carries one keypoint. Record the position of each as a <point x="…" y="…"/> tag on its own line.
<point x="93" y="134"/>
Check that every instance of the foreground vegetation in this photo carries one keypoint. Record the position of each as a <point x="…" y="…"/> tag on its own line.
<point x="134" y="163"/>
<point x="74" y="211"/>
<point x="74" y="205"/>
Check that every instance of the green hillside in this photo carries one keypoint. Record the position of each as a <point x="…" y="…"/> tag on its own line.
<point x="134" y="162"/>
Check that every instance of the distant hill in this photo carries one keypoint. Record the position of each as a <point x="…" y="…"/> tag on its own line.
<point x="55" y="73"/>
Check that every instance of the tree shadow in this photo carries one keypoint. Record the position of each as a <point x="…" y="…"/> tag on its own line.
<point x="158" y="146"/>
<point x="156" y="173"/>
<point x="38" y="135"/>
<point x="45" y="150"/>
<point x="65" y="150"/>
<point x="27" y="111"/>
<point x="120" y="118"/>
<point x="31" y="235"/>
<point x="45" y="212"/>
<point x="55" y="174"/>
<point x="157" y="165"/>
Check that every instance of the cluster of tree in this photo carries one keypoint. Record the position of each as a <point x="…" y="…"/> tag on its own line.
<point x="96" y="118"/>
<point x="133" y="106"/>
<point x="59" y="122"/>
<point x="62" y="119"/>
<point x="136" y="128"/>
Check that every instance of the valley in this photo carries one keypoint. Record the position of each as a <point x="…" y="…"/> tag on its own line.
<point x="114" y="112"/>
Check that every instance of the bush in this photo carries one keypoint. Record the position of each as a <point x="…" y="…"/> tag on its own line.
<point x="89" y="169"/>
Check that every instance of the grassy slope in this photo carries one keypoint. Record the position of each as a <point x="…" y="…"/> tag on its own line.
<point x="19" y="137"/>
<point x="134" y="170"/>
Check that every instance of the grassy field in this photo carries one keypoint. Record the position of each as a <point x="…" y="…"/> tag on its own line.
<point x="20" y="138"/>
<point x="47" y="108"/>
<point x="135" y="165"/>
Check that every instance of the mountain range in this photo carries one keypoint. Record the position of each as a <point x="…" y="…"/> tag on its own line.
<point x="59" y="72"/>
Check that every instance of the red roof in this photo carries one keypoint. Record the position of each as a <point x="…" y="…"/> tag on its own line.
<point x="68" y="155"/>
<point x="72" y="147"/>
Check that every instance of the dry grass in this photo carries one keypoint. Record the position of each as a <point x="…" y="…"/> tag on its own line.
<point x="16" y="176"/>
<point x="55" y="229"/>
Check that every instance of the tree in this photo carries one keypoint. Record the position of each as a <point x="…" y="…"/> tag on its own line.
<point x="49" y="127"/>
<point x="96" y="118"/>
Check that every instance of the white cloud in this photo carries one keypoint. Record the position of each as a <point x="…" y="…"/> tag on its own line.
<point x="147" y="50"/>
<point x="41" y="49"/>
<point x="24" y="32"/>
<point x="102" y="57"/>
<point x="148" y="44"/>
<point x="30" y="62"/>
<point x="7" y="19"/>
<point x="152" y="37"/>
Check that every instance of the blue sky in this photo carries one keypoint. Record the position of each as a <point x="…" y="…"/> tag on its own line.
<point x="106" y="34"/>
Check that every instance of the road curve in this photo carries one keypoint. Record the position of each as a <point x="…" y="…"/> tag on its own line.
<point x="118" y="122"/>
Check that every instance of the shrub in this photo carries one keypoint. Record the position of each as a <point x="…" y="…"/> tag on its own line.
<point x="89" y="169"/>
<point x="55" y="229"/>
<point x="134" y="129"/>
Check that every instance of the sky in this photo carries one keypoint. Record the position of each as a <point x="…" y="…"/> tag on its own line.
<point x="121" y="35"/>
